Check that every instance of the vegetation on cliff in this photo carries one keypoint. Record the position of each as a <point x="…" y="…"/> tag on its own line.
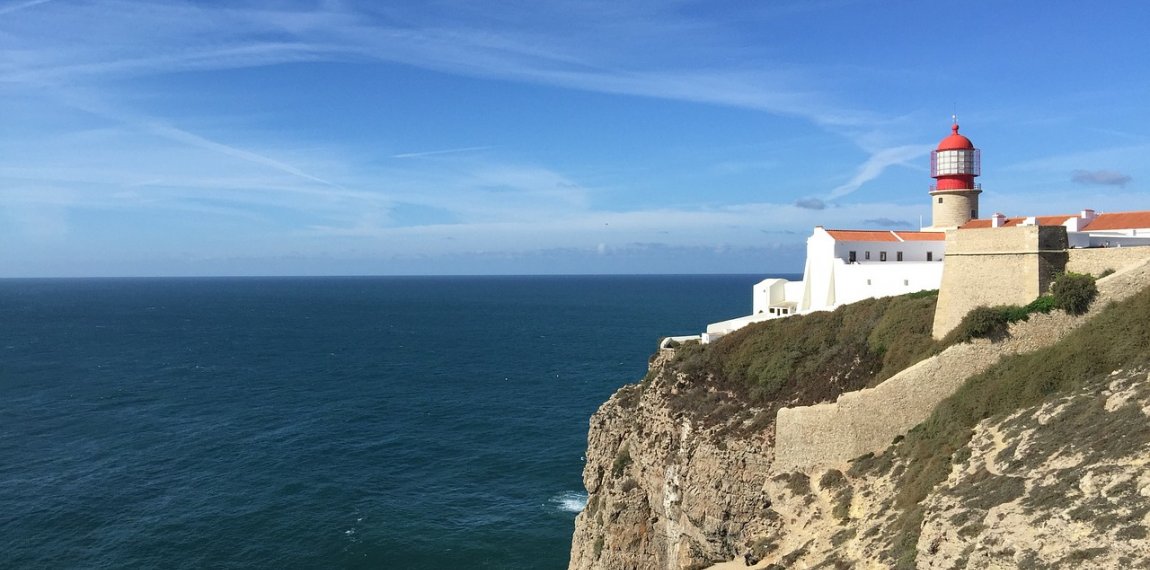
<point x="1119" y="337"/>
<point x="804" y="359"/>
<point x="807" y="359"/>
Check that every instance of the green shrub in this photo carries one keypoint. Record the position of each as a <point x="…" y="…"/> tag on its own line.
<point x="984" y="322"/>
<point x="994" y="322"/>
<point x="1043" y="304"/>
<point x="1073" y="292"/>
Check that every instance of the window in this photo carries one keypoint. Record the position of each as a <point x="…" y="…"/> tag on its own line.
<point x="899" y="258"/>
<point x="852" y="257"/>
<point x="930" y="256"/>
<point x="868" y="256"/>
<point x="906" y="282"/>
<point x="882" y="256"/>
<point x="974" y="214"/>
<point x="868" y="281"/>
<point x="940" y="199"/>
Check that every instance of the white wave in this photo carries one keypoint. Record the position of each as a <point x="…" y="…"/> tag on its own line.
<point x="570" y="501"/>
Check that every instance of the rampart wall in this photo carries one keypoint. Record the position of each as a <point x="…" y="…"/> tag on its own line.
<point x="996" y="266"/>
<point x="1096" y="260"/>
<point x="867" y="421"/>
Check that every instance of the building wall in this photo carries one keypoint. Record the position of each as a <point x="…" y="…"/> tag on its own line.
<point x="829" y="280"/>
<point x="955" y="208"/>
<point x="911" y="250"/>
<point x="996" y="266"/>
<point x="716" y="330"/>
<point x="858" y="281"/>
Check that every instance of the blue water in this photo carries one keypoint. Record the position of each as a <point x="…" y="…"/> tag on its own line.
<point x="319" y="422"/>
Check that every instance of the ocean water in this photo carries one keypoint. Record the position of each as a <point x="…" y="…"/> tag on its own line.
<point x="316" y="422"/>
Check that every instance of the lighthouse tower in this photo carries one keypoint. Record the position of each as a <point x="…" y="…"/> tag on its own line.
<point x="954" y="195"/>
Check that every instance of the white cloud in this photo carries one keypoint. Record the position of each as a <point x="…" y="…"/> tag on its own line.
<point x="875" y="165"/>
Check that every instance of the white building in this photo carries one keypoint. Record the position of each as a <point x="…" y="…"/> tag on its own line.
<point x="845" y="266"/>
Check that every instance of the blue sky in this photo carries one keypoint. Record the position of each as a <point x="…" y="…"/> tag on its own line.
<point x="464" y="137"/>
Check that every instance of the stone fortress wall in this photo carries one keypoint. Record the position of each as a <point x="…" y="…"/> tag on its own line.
<point x="996" y="266"/>
<point x="1094" y="261"/>
<point x="865" y="421"/>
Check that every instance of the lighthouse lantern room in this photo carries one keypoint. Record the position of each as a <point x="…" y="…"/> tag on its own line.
<point x="954" y="195"/>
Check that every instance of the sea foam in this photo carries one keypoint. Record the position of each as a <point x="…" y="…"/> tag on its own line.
<point x="570" y="501"/>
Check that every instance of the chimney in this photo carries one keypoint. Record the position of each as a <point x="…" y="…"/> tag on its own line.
<point x="997" y="220"/>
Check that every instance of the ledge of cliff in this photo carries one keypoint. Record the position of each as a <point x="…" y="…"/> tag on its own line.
<point x="1039" y="461"/>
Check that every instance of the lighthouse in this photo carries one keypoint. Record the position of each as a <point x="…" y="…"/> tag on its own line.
<point x="954" y="195"/>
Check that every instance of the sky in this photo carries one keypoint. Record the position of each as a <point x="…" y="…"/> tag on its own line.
<point x="329" y="137"/>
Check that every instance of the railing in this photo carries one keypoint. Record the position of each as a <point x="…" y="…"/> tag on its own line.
<point x="977" y="186"/>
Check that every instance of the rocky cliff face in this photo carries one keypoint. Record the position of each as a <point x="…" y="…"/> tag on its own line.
<point x="665" y="491"/>
<point x="1060" y="485"/>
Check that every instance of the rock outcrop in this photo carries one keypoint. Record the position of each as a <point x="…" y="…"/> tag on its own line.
<point x="665" y="492"/>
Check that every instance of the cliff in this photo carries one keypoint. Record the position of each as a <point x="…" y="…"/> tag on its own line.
<point x="1036" y="461"/>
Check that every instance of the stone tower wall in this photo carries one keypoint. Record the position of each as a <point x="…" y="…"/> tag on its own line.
<point x="955" y="208"/>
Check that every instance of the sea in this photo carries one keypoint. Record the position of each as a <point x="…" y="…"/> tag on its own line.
<point x="355" y="422"/>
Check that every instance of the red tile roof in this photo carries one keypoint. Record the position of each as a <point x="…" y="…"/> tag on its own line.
<point x="1011" y="222"/>
<point x="862" y="235"/>
<point x="1120" y="221"/>
<point x="1114" y="221"/>
<point x="885" y="235"/>
<point x="922" y="236"/>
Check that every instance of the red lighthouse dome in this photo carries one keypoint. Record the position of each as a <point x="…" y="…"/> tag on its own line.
<point x="955" y="163"/>
<point x="955" y="141"/>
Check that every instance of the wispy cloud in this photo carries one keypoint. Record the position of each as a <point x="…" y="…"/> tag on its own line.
<point x="173" y="37"/>
<point x="878" y="162"/>
<point x="17" y="6"/>
<point x="1100" y="177"/>
<point x="440" y="152"/>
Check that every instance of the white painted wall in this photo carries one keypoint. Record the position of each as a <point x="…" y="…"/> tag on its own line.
<point x="829" y="280"/>
<point x="858" y="281"/>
